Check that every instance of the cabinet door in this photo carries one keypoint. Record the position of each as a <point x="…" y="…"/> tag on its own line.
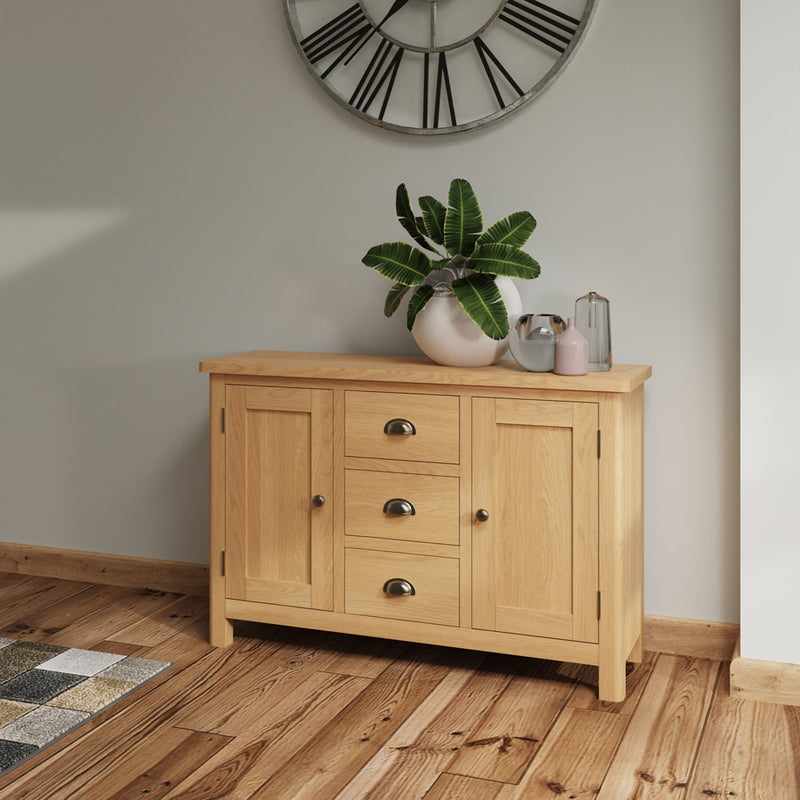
<point x="535" y="560"/>
<point x="279" y="544"/>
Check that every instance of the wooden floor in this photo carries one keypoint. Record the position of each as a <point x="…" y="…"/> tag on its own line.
<point x="290" y="714"/>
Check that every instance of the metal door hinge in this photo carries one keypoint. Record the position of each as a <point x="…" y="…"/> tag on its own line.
<point x="598" y="444"/>
<point x="223" y="420"/>
<point x="223" y="563"/>
<point x="598" y="605"/>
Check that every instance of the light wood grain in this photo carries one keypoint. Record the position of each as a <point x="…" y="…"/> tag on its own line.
<point x="750" y="751"/>
<point x="656" y="756"/>
<point x="287" y="712"/>
<point x="410" y="369"/>
<point x="434" y="579"/>
<point x="764" y="681"/>
<point x="434" y="500"/>
<point x="435" y="420"/>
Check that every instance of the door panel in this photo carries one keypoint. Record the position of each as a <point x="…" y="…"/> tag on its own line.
<point x="540" y="539"/>
<point x="278" y="454"/>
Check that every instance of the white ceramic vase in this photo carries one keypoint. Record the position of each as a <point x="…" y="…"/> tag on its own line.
<point x="446" y="334"/>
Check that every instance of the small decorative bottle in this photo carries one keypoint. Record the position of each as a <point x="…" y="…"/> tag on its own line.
<point x="572" y="351"/>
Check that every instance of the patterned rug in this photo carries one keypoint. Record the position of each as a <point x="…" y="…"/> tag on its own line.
<point x="47" y="691"/>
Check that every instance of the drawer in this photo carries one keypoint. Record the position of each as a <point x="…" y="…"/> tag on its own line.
<point x="430" y="422"/>
<point x="391" y="505"/>
<point x="434" y="580"/>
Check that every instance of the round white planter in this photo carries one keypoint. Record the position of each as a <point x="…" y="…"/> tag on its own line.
<point x="446" y="334"/>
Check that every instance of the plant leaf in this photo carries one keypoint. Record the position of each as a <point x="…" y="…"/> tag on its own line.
<point x="433" y="216"/>
<point x="407" y="219"/>
<point x="399" y="262"/>
<point x="463" y="222"/>
<point x="515" y="229"/>
<point x="417" y="302"/>
<point x="503" y="259"/>
<point x="394" y="298"/>
<point x="481" y="299"/>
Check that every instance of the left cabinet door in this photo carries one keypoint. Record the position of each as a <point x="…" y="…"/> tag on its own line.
<point x="278" y="495"/>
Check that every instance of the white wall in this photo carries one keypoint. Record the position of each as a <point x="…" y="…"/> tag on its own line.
<point x="770" y="287"/>
<point x="175" y="187"/>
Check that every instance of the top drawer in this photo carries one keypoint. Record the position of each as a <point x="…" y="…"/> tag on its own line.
<point x="407" y="427"/>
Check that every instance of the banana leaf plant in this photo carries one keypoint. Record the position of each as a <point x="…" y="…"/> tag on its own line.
<point x="470" y="257"/>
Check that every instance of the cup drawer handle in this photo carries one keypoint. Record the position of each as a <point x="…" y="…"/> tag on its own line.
<point x="400" y="427"/>
<point x="399" y="587"/>
<point x="397" y="507"/>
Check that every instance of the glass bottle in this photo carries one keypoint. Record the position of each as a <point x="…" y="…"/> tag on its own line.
<point x="592" y="319"/>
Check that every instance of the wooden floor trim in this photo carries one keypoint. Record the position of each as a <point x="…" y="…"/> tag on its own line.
<point x="114" y="570"/>
<point x="764" y="681"/>
<point x="690" y="637"/>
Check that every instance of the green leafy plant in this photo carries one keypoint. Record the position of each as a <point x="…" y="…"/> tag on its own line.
<point x="465" y="263"/>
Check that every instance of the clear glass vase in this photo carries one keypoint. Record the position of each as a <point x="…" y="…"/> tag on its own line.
<point x="592" y="319"/>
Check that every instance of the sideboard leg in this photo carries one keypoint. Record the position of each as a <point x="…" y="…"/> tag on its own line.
<point x="220" y="632"/>
<point x="611" y="681"/>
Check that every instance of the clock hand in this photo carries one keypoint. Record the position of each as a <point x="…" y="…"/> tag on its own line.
<point x="396" y="6"/>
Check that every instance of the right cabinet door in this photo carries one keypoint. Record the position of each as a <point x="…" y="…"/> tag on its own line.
<point x="535" y="528"/>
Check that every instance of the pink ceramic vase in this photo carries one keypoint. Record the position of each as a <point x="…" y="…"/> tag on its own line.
<point x="572" y="352"/>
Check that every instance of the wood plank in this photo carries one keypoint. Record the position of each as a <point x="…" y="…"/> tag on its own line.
<point x="239" y="704"/>
<point x="99" y="624"/>
<point x="411" y="760"/>
<point x="37" y="625"/>
<point x="573" y="759"/>
<point x="164" y="622"/>
<point x="240" y="769"/>
<point x="337" y="753"/>
<point x="34" y="596"/>
<point x="459" y="787"/>
<point x="504" y="743"/>
<point x="656" y="755"/>
<point x="367" y="657"/>
<point x="750" y="750"/>
<point x="156" y="780"/>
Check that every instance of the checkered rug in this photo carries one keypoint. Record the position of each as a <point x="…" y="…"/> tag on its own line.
<point x="47" y="691"/>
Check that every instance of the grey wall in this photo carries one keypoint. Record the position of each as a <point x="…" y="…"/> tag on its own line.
<point x="175" y="186"/>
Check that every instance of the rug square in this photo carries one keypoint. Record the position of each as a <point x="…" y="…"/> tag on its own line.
<point x="13" y="753"/>
<point x="11" y="709"/>
<point x="6" y="642"/>
<point x="80" y="662"/>
<point x="92" y="695"/>
<point x="42" y="725"/>
<point x="38" y="685"/>
<point x="134" y="670"/>
<point x="22" y="656"/>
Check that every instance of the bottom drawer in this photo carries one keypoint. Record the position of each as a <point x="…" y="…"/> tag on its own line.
<point x="433" y="580"/>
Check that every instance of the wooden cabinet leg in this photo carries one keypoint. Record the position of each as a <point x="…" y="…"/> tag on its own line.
<point x="220" y="632"/>
<point x="611" y="682"/>
<point x="637" y="653"/>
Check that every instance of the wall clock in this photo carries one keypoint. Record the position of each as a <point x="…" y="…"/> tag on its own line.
<point x="435" y="66"/>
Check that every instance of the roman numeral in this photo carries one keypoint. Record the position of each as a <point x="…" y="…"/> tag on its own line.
<point x="486" y="56"/>
<point x="375" y="76"/>
<point x="542" y="22"/>
<point x="343" y="32"/>
<point x="442" y="82"/>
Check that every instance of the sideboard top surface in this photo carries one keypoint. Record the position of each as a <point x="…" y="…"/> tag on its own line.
<point x="419" y="369"/>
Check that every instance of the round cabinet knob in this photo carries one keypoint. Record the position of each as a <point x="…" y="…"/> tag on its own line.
<point x="399" y="587"/>
<point x="317" y="501"/>
<point x="481" y="515"/>
<point x="400" y="427"/>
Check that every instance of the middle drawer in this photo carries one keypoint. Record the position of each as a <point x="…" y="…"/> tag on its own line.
<point x="395" y="505"/>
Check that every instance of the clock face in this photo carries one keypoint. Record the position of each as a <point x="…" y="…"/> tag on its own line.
<point x="435" y="66"/>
